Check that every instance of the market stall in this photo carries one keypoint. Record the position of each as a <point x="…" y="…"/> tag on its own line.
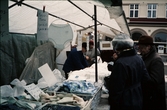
<point x="20" y="23"/>
<point x="41" y="88"/>
<point x="33" y="88"/>
<point x="58" y="94"/>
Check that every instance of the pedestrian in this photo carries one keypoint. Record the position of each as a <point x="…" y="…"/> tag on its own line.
<point x="111" y="63"/>
<point x="75" y="60"/>
<point x="154" y="91"/>
<point x="90" y="35"/>
<point x="125" y="91"/>
<point x="90" y="54"/>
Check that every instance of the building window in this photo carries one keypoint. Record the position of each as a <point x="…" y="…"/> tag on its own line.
<point x="160" y="40"/>
<point x="134" y="9"/>
<point x="136" y="33"/>
<point x="136" y="36"/>
<point x="160" y="37"/>
<point x="152" y="10"/>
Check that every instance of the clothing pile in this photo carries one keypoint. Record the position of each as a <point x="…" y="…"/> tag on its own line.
<point x="30" y="100"/>
<point x="78" y="87"/>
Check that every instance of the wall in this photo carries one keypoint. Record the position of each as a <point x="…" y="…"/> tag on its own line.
<point x="143" y="7"/>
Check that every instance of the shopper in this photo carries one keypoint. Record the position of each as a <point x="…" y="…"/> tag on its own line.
<point x="125" y="92"/>
<point x="111" y="63"/>
<point x="154" y="91"/>
<point x="90" y="35"/>
<point x="75" y="60"/>
<point x="90" y="54"/>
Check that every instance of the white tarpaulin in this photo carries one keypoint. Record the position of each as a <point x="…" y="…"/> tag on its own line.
<point x="23" y="19"/>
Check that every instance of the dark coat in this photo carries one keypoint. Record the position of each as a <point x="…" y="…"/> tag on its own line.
<point x="125" y="92"/>
<point x="154" y="91"/>
<point x="75" y="61"/>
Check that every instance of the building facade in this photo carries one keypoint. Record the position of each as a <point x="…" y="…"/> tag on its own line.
<point x="148" y="17"/>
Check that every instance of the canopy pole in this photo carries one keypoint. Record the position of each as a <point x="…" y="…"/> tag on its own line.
<point x="17" y="3"/>
<point x="95" y="34"/>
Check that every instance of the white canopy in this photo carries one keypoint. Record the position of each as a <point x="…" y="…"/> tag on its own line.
<point x="23" y="19"/>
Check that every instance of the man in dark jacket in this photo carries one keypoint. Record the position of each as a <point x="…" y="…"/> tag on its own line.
<point x="75" y="60"/>
<point x="125" y="92"/>
<point x="154" y="91"/>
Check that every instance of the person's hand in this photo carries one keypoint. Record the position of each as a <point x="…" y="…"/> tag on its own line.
<point x="115" y="56"/>
<point x="87" y="58"/>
